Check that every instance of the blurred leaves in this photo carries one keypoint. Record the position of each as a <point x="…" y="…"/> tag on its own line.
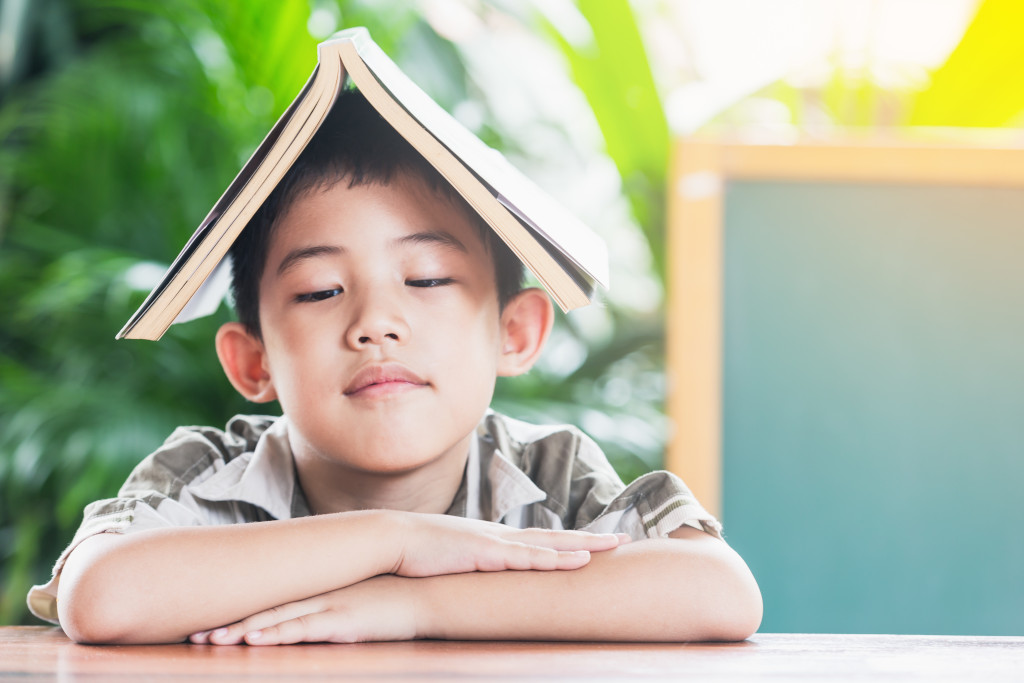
<point x="615" y="392"/>
<point x="977" y="86"/>
<point x="980" y="83"/>
<point x="109" y="159"/>
<point x="609" y="64"/>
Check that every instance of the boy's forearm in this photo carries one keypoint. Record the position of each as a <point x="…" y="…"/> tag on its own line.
<point x="162" y="585"/>
<point x="667" y="590"/>
<point x="692" y="587"/>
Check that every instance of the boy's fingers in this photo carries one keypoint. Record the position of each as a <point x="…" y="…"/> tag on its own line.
<point x="228" y="635"/>
<point x="522" y="556"/>
<point x="308" y="628"/>
<point x="572" y="559"/>
<point x="532" y="557"/>
<point x="570" y="540"/>
<point x="235" y="634"/>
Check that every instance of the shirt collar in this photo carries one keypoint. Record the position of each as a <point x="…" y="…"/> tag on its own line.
<point x="264" y="477"/>
<point x="493" y="485"/>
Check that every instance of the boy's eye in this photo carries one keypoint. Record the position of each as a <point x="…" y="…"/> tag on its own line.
<point x="319" y="296"/>
<point x="430" y="282"/>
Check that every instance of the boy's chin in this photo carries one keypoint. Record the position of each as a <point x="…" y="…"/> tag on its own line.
<point x="398" y="459"/>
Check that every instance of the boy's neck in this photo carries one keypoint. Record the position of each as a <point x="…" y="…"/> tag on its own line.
<point x="330" y="487"/>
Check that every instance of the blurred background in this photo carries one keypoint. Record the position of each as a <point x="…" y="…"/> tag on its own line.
<point x="122" y="121"/>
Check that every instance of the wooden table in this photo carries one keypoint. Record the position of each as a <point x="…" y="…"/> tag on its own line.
<point x="29" y="653"/>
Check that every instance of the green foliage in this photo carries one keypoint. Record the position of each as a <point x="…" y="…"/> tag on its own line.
<point x="113" y="147"/>
<point x="610" y="67"/>
<point x="89" y="187"/>
<point x="979" y="83"/>
<point x="976" y="87"/>
<point x="617" y="392"/>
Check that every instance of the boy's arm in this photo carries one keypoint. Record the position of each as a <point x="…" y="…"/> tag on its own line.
<point x="690" y="587"/>
<point x="162" y="585"/>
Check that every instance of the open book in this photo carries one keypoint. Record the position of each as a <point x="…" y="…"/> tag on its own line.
<point x="565" y="255"/>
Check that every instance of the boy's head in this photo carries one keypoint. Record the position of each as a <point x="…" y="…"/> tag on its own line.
<point x="375" y="307"/>
<point x="355" y="145"/>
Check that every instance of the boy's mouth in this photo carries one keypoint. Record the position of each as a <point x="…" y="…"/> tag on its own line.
<point x="379" y="380"/>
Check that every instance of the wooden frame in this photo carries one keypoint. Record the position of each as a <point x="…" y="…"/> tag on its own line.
<point x="700" y="172"/>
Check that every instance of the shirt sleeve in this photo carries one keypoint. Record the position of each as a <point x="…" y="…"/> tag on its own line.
<point x="154" y="496"/>
<point x="652" y="506"/>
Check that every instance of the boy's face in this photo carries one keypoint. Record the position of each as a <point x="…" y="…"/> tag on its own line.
<point x="381" y="327"/>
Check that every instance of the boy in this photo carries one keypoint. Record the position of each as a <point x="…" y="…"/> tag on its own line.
<point x="378" y="310"/>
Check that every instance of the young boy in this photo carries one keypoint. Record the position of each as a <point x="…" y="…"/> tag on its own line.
<point x="388" y="502"/>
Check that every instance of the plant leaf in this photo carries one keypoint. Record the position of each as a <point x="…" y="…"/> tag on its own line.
<point x="980" y="83"/>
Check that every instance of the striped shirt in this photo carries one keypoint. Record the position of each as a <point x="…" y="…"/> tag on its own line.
<point x="516" y="473"/>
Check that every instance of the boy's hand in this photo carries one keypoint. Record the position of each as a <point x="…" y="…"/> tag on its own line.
<point x="443" y="544"/>
<point x="382" y="607"/>
<point x="377" y="609"/>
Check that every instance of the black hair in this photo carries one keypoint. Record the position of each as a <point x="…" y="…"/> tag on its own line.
<point x="354" y="144"/>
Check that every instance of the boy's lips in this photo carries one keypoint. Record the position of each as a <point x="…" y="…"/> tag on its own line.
<point x="383" y="379"/>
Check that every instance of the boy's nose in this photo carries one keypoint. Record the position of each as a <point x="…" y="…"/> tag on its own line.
<point x="376" y="325"/>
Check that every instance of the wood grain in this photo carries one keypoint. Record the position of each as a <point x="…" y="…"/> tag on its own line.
<point x="34" y="653"/>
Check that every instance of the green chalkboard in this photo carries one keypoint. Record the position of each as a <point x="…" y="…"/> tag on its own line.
<point x="873" y="404"/>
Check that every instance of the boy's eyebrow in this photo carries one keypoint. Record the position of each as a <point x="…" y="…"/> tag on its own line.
<point x="433" y="237"/>
<point x="296" y="256"/>
<point x="438" y="237"/>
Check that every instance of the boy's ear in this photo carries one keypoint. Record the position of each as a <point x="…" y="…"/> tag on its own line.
<point x="525" y="325"/>
<point x="244" y="361"/>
